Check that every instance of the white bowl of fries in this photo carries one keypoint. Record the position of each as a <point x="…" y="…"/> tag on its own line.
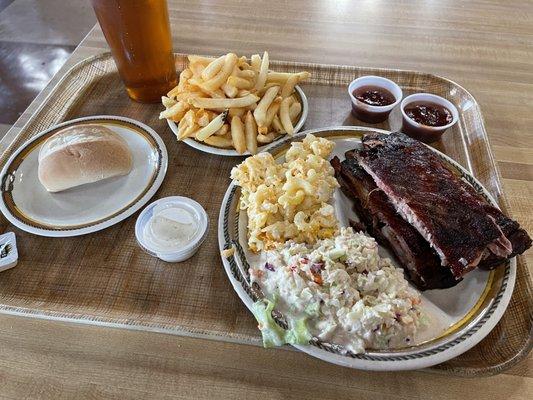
<point x="229" y="106"/>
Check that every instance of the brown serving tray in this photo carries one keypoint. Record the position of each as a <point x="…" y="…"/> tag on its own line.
<point x="105" y="278"/>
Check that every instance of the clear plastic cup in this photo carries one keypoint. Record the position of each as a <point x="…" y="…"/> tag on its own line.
<point x="181" y="253"/>
<point x="366" y="112"/>
<point x="425" y="133"/>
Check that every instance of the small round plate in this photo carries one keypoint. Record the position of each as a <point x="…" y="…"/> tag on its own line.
<point x="87" y="208"/>
<point x="459" y="316"/>
<point x="232" y="153"/>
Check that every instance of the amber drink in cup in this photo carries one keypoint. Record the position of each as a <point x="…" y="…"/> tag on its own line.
<point x="138" y="33"/>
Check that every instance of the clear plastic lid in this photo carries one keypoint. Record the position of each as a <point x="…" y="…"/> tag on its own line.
<point x="193" y="213"/>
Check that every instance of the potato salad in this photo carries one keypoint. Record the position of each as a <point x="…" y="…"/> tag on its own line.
<point x="339" y="290"/>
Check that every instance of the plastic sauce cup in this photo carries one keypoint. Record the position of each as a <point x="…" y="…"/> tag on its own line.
<point x="366" y="112"/>
<point x="425" y="133"/>
<point x="181" y="253"/>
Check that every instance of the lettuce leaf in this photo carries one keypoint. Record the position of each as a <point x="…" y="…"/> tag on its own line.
<point x="298" y="334"/>
<point x="273" y="334"/>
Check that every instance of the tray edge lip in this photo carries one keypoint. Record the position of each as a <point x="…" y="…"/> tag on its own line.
<point x="458" y="371"/>
<point x="47" y="98"/>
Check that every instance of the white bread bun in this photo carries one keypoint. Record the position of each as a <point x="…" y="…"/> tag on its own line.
<point x="82" y="154"/>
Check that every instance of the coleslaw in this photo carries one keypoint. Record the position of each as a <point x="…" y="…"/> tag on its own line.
<point x="339" y="290"/>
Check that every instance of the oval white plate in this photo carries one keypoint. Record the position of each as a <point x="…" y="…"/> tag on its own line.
<point x="87" y="208"/>
<point x="232" y="153"/>
<point x="460" y="316"/>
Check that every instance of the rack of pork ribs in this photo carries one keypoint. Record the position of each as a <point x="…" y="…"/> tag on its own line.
<point x="438" y="227"/>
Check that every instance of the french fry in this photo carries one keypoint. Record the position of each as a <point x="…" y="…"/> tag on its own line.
<point x="294" y="112"/>
<point x="187" y="125"/>
<point x="212" y="127"/>
<point x="289" y="85"/>
<point x="202" y="118"/>
<point x="177" y="109"/>
<point x="291" y="100"/>
<point x="250" y="131"/>
<point x="185" y="75"/>
<point x="255" y="62"/>
<point x="261" y="92"/>
<point x="265" y="139"/>
<point x="270" y="114"/>
<point x="213" y="68"/>
<point x="198" y="86"/>
<point x="284" y="116"/>
<point x="281" y="77"/>
<point x="219" y="141"/>
<point x="230" y="102"/>
<point x="237" y="135"/>
<point x="191" y="85"/>
<point x="217" y="110"/>
<point x="189" y="117"/>
<point x="264" y="103"/>
<point x="213" y="94"/>
<point x="224" y="103"/>
<point x="212" y="115"/>
<point x="197" y="70"/>
<point x="276" y="124"/>
<point x="220" y="78"/>
<point x="197" y="82"/>
<point x="199" y="59"/>
<point x="236" y="112"/>
<point x="243" y="63"/>
<point x="235" y="71"/>
<point x="229" y="90"/>
<point x="262" y="77"/>
<point x="176" y="89"/>
<point x="222" y="131"/>
<point x="272" y="111"/>
<point x="185" y="96"/>
<point x="190" y="131"/>
<point x="278" y="77"/>
<point x="182" y="127"/>
<point x="167" y="101"/>
<point x="240" y="83"/>
<point x="217" y="94"/>
<point x="246" y="74"/>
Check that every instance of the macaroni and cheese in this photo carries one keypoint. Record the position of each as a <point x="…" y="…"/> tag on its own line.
<point x="289" y="201"/>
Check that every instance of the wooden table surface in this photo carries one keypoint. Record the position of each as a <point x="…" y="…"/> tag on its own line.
<point x="486" y="46"/>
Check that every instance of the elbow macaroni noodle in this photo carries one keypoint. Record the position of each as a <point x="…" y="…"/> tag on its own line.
<point x="289" y="201"/>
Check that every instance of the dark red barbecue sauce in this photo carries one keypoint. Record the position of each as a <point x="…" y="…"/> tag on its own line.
<point x="374" y="96"/>
<point x="429" y="114"/>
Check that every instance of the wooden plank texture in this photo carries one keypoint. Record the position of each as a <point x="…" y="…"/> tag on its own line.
<point x="63" y="361"/>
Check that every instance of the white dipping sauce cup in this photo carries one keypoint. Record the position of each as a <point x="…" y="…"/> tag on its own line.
<point x="425" y="133"/>
<point x="366" y="112"/>
<point x="189" y="249"/>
